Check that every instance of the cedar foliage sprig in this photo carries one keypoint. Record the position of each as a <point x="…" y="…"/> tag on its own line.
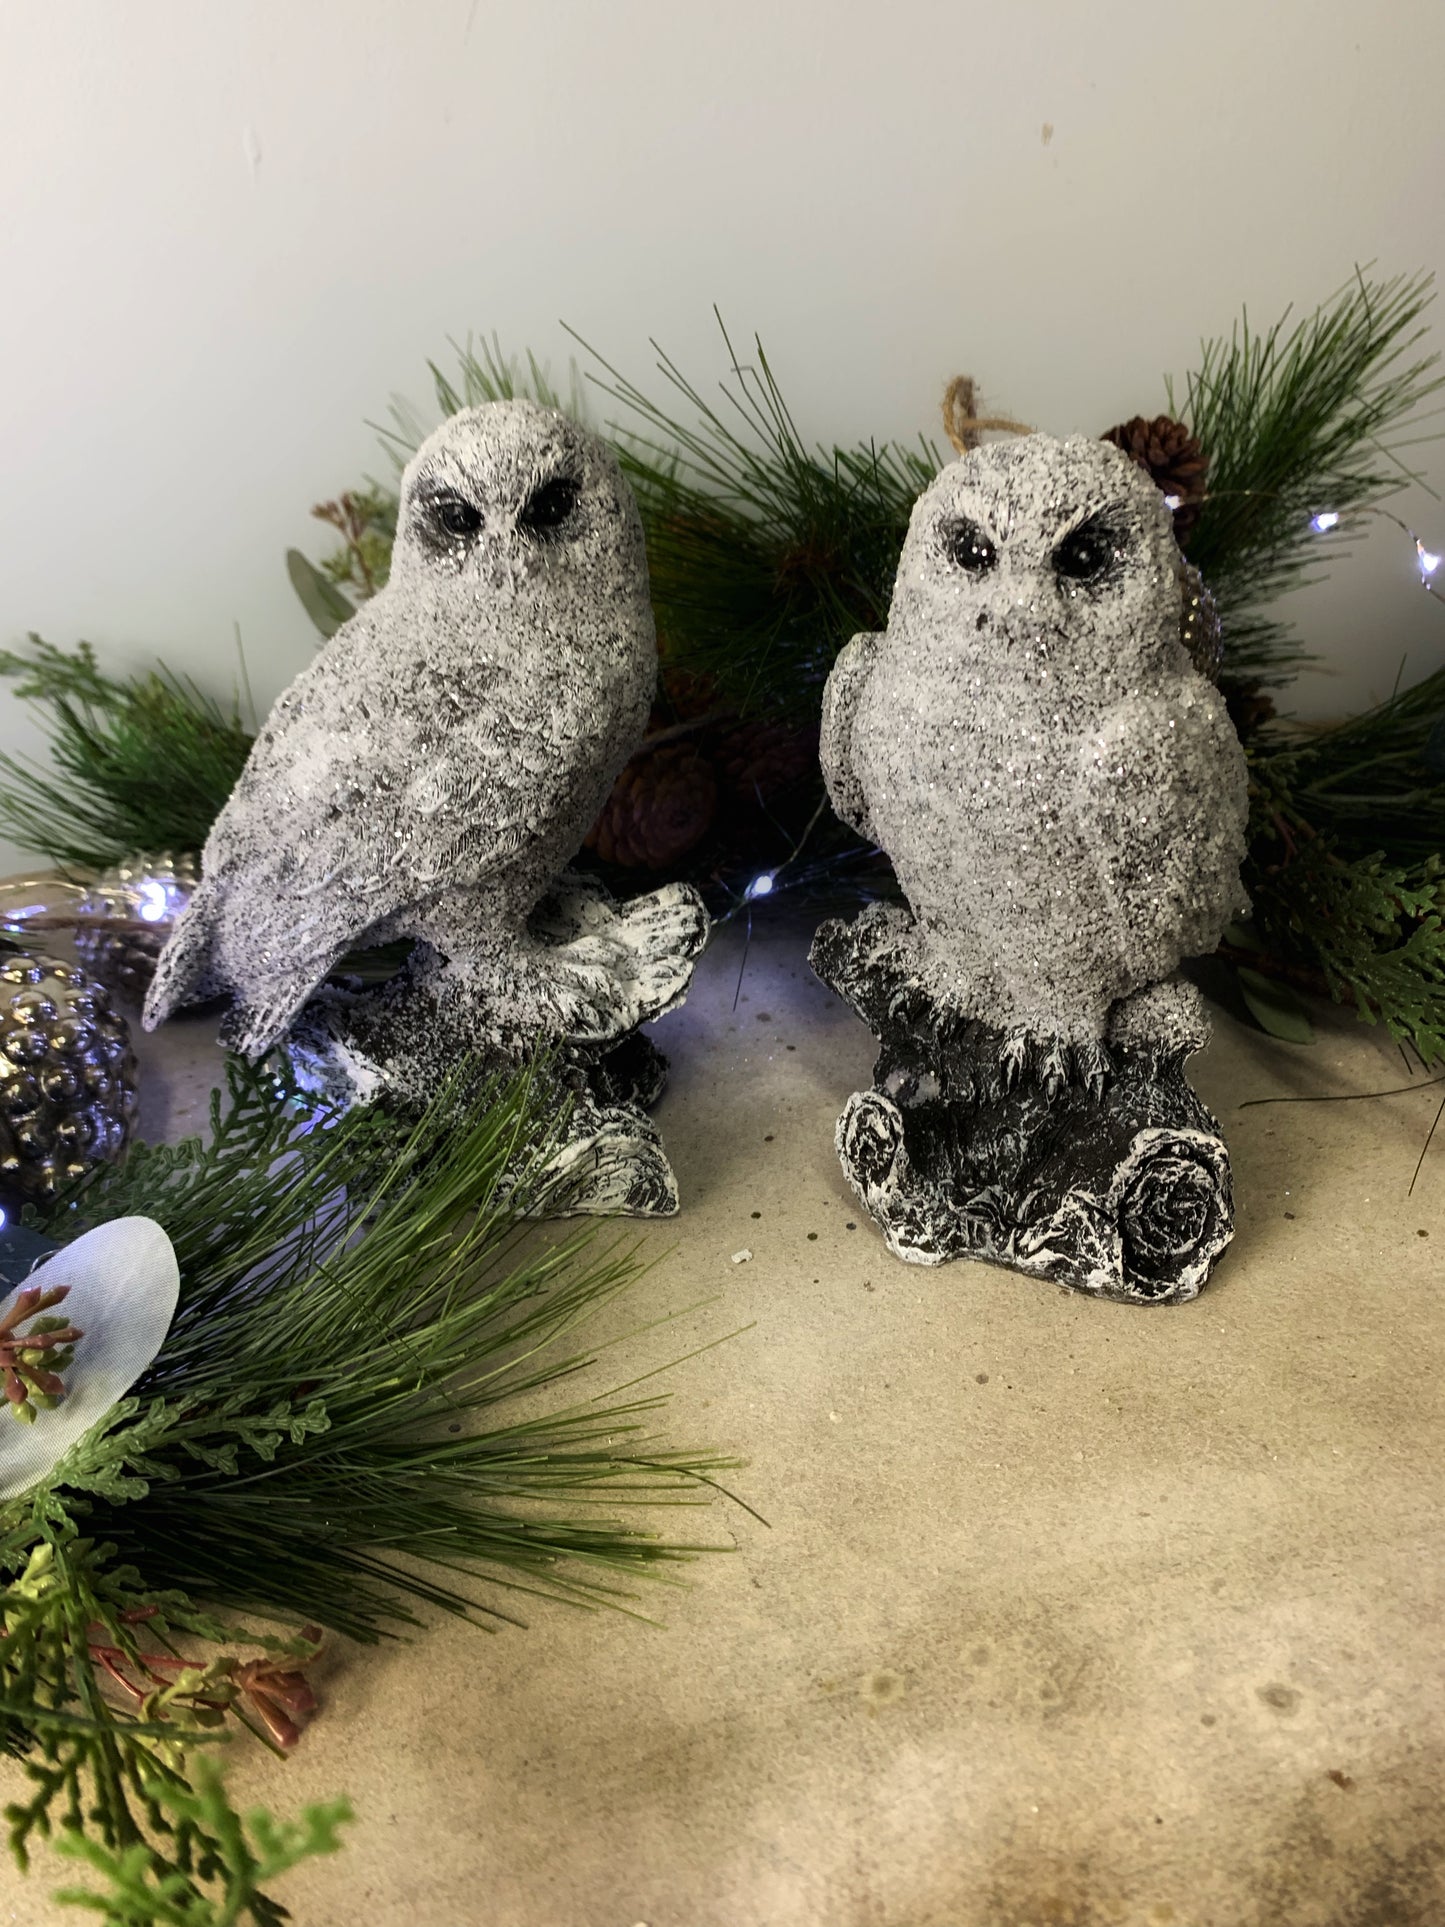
<point x="1345" y="866"/>
<point x="245" y="1851"/>
<point x="124" y="1785"/>
<point x="365" y="518"/>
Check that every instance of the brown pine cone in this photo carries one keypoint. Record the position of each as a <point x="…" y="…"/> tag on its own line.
<point x="1250" y="706"/>
<point x="684" y="696"/>
<point x="1167" y="451"/>
<point x="661" y="806"/>
<point x="760" y="760"/>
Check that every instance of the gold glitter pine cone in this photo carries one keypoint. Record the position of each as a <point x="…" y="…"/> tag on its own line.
<point x="1167" y="451"/>
<point x="67" y="1075"/>
<point x="661" y="806"/>
<point x="1200" y="629"/>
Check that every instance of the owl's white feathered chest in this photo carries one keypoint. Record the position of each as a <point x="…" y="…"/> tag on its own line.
<point x="963" y="785"/>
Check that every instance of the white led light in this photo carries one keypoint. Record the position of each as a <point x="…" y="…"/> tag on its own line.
<point x="1324" y="521"/>
<point x="152" y="904"/>
<point x="760" y="886"/>
<point x="1428" y="563"/>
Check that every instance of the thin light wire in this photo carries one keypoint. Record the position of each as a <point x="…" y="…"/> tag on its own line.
<point x="1420" y="1162"/>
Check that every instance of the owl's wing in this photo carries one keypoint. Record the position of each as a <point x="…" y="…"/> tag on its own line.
<point x="362" y="794"/>
<point x="1165" y="801"/>
<point x="840" y="706"/>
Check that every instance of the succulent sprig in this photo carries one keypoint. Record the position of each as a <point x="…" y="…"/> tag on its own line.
<point x="32" y="1363"/>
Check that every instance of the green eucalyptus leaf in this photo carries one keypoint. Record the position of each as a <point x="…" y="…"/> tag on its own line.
<point x="322" y="600"/>
<point x="1274" y="1007"/>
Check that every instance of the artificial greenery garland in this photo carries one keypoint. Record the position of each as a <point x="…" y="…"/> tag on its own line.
<point x="350" y="1385"/>
<point x="767" y="554"/>
<point x="140" y="763"/>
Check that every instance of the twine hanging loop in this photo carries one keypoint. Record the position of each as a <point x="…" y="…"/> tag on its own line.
<point x="963" y="426"/>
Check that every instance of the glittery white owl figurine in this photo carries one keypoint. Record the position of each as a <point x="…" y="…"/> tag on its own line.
<point x="1063" y="796"/>
<point x="1060" y="790"/>
<point x="441" y="760"/>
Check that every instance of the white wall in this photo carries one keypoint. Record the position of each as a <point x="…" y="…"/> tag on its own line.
<point x="229" y="230"/>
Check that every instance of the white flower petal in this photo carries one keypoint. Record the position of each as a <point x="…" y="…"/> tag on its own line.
<point x="124" y="1283"/>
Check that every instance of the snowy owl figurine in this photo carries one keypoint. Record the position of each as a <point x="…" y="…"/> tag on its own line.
<point x="1064" y="801"/>
<point x="433" y="771"/>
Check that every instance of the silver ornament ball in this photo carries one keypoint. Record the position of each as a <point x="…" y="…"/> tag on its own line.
<point x="68" y="1095"/>
<point x="143" y="895"/>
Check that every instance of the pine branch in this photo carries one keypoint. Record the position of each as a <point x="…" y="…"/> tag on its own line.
<point x="138" y="763"/>
<point x="766" y="554"/>
<point x="483" y="373"/>
<point x="1295" y="420"/>
<point x="401" y="1438"/>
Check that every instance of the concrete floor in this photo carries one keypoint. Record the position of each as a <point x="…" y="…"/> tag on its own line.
<point x="1068" y="1614"/>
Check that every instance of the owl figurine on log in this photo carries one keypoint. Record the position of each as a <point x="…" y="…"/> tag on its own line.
<point x="428" y="778"/>
<point x="1064" y="801"/>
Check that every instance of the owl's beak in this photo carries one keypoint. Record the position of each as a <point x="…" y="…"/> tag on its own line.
<point x="498" y="575"/>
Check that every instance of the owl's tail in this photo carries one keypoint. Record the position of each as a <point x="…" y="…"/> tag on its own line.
<point x="251" y="1029"/>
<point x="191" y="971"/>
<point x="187" y="971"/>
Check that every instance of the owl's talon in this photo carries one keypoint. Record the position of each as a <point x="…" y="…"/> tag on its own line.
<point x="1054" y="1067"/>
<point x="1013" y="1057"/>
<point x="1093" y="1068"/>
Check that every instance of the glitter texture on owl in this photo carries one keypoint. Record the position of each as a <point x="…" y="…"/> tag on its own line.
<point x="433" y="771"/>
<point x="1064" y="800"/>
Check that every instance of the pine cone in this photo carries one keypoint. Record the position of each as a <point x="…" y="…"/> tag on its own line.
<point x="1167" y="451"/>
<point x="1250" y="706"/>
<point x="661" y="806"/>
<point x="686" y="695"/>
<point x="760" y="760"/>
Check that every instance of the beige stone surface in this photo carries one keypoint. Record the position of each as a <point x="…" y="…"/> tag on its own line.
<point x="1066" y="1614"/>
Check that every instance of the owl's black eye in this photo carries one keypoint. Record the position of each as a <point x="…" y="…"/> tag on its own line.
<point x="456" y="515"/>
<point x="548" y="506"/>
<point x="965" y="544"/>
<point x="1086" y="552"/>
